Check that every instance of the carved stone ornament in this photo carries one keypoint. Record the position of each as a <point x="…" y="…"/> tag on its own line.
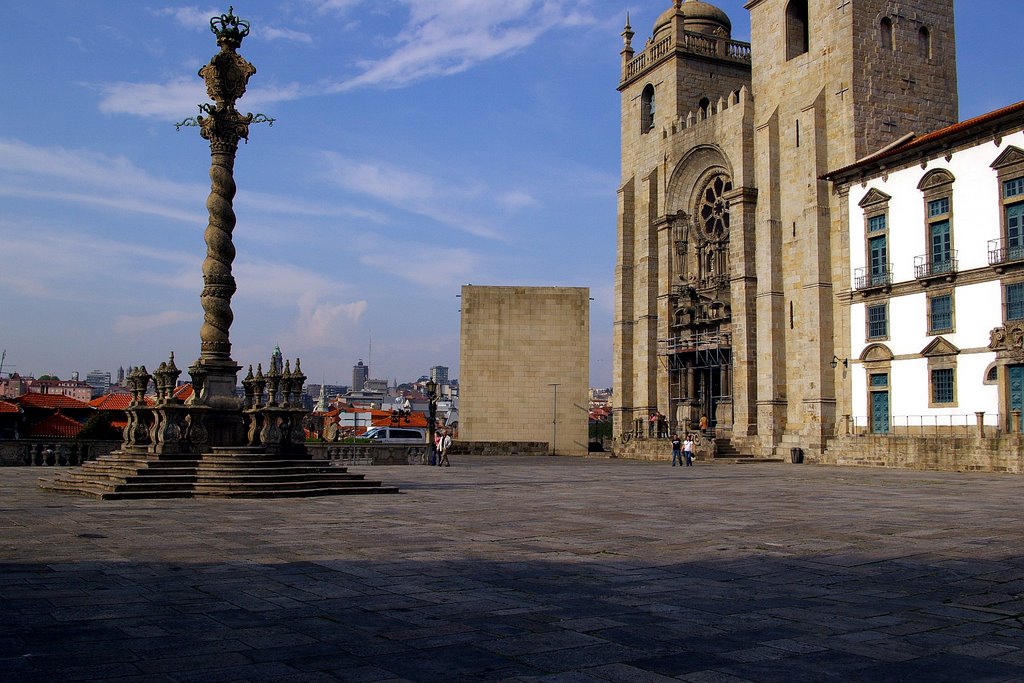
<point x="1008" y="341"/>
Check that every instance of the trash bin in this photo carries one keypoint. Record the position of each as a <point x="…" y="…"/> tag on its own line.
<point x="796" y="455"/>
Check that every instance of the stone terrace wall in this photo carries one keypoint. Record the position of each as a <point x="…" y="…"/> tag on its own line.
<point x="941" y="453"/>
<point x="500" y="448"/>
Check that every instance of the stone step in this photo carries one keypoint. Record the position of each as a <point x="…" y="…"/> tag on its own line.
<point x="247" y="474"/>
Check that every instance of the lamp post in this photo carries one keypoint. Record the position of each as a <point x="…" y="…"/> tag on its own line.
<point x="554" y="418"/>
<point x="431" y="419"/>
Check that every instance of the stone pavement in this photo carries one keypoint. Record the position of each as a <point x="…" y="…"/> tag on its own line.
<point x="518" y="569"/>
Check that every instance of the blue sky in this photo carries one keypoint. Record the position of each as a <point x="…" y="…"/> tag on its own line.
<point x="419" y="145"/>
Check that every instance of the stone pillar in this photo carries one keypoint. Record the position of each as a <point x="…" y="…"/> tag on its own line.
<point x="980" y="417"/>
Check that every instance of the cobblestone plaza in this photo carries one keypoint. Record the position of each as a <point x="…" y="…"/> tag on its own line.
<point x="542" y="569"/>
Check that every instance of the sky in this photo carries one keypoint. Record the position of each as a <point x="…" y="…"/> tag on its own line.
<point x="419" y="145"/>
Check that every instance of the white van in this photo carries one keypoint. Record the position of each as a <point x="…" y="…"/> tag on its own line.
<point x="410" y="435"/>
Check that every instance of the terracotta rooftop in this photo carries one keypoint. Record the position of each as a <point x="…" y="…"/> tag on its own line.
<point x="50" y="401"/>
<point x="115" y="401"/>
<point x="6" y="407"/>
<point x="934" y="136"/>
<point x="56" y="426"/>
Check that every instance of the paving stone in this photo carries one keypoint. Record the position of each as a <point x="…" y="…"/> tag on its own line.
<point x="552" y="569"/>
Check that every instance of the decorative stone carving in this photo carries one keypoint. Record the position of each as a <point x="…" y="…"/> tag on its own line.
<point x="1008" y="341"/>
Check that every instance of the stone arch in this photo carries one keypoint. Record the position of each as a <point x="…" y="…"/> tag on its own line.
<point x="690" y="174"/>
<point x="876" y="353"/>
<point x="797" y="29"/>
<point x="935" y="178"/>
<point x="648" y="107"/>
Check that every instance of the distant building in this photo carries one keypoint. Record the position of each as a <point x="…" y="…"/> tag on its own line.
<point x="277" y="359"/>
<point x="439" y="373"/>
<point x="524" y="366"/>
<point x="360" y="373"/>
<point x="377" y="386"/>
<point x="99" y="381"/>
<point x="72" y="388"/>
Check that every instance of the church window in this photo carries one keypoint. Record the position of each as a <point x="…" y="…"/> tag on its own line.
<point x="713" y="207"/>
<point x="940" y="314"/>
<point x="647" y="108"/>
<point x="885" y="29"/>
<point x="942" y="386"/>
<point x="924" y="42"/>
<point x="797" y="29"/>
<point x="878" y="321"/>
<point x="877" y="223"/>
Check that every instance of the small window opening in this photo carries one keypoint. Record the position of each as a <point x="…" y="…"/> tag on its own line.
<point x="798" y="132"/>
<point x="924" y="41"/>
<point x="647" y="108"/>
<point x="885" y="28"/>
<point x="703" y="107"/>
<point x="797" y="29"/>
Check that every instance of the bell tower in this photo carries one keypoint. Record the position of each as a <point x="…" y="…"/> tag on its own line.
<point x="834" y="81"/>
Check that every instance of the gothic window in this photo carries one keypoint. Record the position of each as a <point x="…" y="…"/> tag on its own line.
<point x="797" y="30"/>
<point x="924" y="42"/>
<point x="647" y="109"/>
<point x="713" y="208"/>
<point x="885" y="30"/>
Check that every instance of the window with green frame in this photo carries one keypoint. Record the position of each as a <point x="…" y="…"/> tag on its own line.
<point x="1015" y="301"/>
<point x="940" y="314"/>
<point x="878" y="321"/>
<point x="942" y="385"/>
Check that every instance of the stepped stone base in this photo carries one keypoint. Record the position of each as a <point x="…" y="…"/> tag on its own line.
<point x="727" y="453"/>
<point x="225" y="473"/>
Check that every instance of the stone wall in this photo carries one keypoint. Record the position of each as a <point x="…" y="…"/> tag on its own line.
<point x="516" y="342"/>
<point x="949" y="453"/>
<point x="499" y="448"/>
<point x="53" y="451"/>
<point x="369" y="454"/>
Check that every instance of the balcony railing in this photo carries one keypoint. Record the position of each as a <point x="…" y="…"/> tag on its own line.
<point x="928" y="265"/>
<point x="866" y="278"/>
<point x="1005" y="251"/>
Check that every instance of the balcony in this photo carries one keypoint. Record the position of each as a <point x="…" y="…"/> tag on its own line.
<point x="1003" y="251"/>
<point x="871" y="278"/>
<point x="929" y="266"/>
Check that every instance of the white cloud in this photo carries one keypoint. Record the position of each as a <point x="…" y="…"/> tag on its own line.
<point x="421" y="265"/>
<point x="146" y="323"/>
<point x="180" y="98"/>
<point x="191" y="16"/>
<point x="445" y="38"/>
<point x="412" y="191"/>
<point x="272" y="33"/>
<point x="320" y="323"/>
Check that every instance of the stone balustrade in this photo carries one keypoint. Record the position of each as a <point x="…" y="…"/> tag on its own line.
<point x="695" y="43"/>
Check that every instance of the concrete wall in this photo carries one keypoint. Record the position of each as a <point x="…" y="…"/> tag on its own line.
<point x="515" y="343"/>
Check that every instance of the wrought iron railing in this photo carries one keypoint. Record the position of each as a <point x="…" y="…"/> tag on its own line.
<point x="866" y="278"/>
<point x="931" y="265"/>
<point x="1005" y="251"/>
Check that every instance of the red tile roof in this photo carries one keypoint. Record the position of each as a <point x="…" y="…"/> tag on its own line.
<point x="115" y="401"/>
<point x="50" y="402"/>
<point x="56" y="426"/>
<point x="6" y="407"/>
<point x="948" y="131"/>
<point x="184" y="392"/>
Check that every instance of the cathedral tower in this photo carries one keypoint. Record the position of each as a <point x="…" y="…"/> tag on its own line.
<point x="727" y="271"/>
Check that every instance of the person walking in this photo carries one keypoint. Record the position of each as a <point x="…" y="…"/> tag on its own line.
<point x="446" y="444"/>
<point x="677" y="453"/>
<point x="688" y="450"/>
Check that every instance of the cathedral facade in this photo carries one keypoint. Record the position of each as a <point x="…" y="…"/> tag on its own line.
<point x="730" y="241"/>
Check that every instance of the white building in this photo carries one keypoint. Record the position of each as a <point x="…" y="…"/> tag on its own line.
<point x="935" y="282"/>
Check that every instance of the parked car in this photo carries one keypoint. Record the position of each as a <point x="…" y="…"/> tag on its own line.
<point x="410" y="435"/>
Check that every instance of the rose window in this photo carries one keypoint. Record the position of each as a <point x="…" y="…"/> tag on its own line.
<point x="713" y="209"/>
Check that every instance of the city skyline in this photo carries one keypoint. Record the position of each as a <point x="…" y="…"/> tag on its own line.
<point x="418" y="147"/>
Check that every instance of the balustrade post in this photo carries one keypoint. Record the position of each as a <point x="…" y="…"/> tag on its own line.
<point x="979" y="416"/>
<point x="1014" y="422"/>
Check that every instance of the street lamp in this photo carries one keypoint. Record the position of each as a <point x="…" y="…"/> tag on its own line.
<point x="554" y="418"/>
<point x="431" y="419"/>
<point x="836" y="360"/>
